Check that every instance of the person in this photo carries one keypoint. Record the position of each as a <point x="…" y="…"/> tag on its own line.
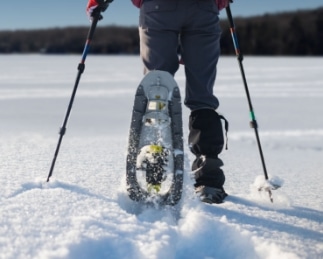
<point x="194" y="25"/>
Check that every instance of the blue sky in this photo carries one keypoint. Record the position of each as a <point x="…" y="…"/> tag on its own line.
<point x="22" y="14"/>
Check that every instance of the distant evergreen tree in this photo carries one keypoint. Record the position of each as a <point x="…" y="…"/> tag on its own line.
<point x="319" y="32"/>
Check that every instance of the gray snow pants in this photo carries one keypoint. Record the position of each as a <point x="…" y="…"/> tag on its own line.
<point x="192" y="24"/>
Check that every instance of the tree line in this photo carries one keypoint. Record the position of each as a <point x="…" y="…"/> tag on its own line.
<point x="290" y="33"/>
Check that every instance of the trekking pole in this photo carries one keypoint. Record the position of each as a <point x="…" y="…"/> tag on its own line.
<point x="253" y="123"/>
<point x="96" y="16"/>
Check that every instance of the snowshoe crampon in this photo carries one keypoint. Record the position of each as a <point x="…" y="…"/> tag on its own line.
<point x="155" y="150"/>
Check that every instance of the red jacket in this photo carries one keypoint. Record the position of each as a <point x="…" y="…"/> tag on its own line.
<point x="137" y="3"/>
<point x="220" y="3"/>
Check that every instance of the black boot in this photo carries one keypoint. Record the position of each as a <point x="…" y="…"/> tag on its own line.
<point x="206" y="141"/>
<point x="209" y="179"/>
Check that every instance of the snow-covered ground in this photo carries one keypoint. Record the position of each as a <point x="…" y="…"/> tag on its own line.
<point x="84" y="212"/>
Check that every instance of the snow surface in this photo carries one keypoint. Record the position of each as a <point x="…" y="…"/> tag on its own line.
<point x="84" y="212"/>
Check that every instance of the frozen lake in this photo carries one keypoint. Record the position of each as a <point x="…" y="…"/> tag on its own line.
<point x="84" y="211"/>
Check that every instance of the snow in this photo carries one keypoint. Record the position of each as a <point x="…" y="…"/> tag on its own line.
<point x="84" y="212"/>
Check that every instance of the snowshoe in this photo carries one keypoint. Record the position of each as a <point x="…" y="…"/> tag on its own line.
<point x="155" y="149"/>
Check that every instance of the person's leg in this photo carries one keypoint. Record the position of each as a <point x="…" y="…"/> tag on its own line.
<point x="200" y="42"/>
<point x="158" y="33"/>
<point x="200" y="50"/>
